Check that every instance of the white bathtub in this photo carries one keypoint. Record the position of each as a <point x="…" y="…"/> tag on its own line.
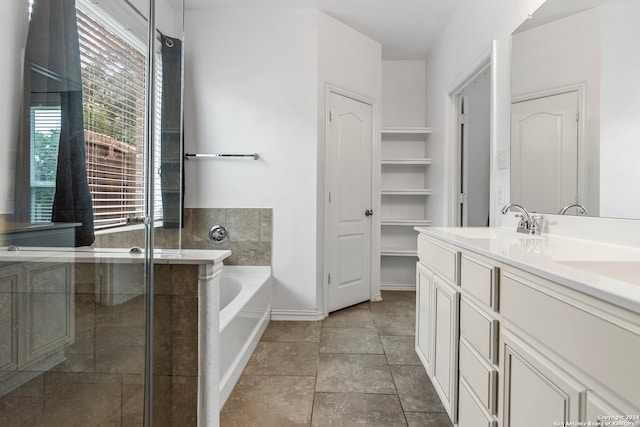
<point x="245" y="308"/>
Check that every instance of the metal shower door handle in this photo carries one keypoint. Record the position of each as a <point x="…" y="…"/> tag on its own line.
<point x="132" y="219"/>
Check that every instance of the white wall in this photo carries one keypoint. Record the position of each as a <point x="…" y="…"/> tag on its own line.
<point x="255" y="82"/>
<point x="403" y="93"/>
<point x="13" y="31"/>
<point x="466" y="38"/>
<point x="251" y="86"/>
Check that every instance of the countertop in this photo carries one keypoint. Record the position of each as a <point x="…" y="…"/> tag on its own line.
<point x="116" y="255"/>
<point x="606" y="271"/>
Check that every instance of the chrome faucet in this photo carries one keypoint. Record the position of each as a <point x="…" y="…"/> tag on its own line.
<point x="528" y="223"/>
<point x="581" y="209"/>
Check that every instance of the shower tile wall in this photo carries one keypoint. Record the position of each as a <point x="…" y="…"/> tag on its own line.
<point x="250" y="234"/>
<point x="101" y="378"/>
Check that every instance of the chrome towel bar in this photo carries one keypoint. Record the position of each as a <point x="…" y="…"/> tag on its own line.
<point x="199" y="155"/>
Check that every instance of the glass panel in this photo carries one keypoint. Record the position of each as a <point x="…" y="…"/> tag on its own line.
<point x="73" y="324"/>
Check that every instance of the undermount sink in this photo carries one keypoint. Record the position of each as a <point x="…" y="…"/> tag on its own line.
<point x="488" y="233"/>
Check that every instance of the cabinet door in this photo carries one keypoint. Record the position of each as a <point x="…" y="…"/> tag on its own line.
<point x="535" y="391"/>
<point x="423" y="316"/>
<point x="445" y="303"/>
<point x="8" y="319"/>
<point x="47" y="311"/>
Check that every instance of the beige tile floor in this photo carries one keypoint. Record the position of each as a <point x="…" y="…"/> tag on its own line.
<point x="356" y="367"/>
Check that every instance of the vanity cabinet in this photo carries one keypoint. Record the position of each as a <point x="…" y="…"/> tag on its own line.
<point x="9" y="276"/>
<point x="593" y="343"/>
<point x="478" y="341"/>
<point x="445" y="343"/>
<point x="437" y="317"/>
<point x="527" y="350"/>
<point x="37" y="305"/>
<point x="536" y="392"/>
<point x="424" y="294"/>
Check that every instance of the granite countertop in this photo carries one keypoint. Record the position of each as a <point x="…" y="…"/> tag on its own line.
<point x="606" y="271"/>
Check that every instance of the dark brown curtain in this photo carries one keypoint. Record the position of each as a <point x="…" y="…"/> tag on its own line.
<point x="52" y="78"/>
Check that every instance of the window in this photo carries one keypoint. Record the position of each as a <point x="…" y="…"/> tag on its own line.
<point x="113" y="64"/>
<point x="45" y="135"/>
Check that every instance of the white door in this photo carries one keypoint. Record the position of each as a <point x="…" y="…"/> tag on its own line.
<point x="544" y="152"/>
<point x="348" y="169"/>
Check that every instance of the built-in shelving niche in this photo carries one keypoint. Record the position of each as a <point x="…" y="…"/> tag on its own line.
<point x="404" y="198"/>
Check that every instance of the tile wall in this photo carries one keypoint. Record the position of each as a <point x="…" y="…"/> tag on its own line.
<point x="250" y="234"/>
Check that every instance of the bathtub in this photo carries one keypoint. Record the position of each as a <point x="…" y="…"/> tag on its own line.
<point x="245" y="308"/>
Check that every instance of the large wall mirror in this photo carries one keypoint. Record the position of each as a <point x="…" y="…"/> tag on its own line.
<point x="575" y="112"/>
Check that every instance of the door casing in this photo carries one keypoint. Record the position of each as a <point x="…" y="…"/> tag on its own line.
<point x="375" y="190"/>
<point x="451" y="186"/>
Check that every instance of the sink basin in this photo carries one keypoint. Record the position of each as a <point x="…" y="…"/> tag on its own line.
<point x="628" y="271"/>
<point x="488" y="233"/>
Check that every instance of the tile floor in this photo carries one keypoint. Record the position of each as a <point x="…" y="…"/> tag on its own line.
<point x="356" y="367"/>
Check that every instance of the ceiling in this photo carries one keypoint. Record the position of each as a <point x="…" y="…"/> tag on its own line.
<point x="406" y="29"/>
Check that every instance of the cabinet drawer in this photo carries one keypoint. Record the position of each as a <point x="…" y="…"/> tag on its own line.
<point x="479" y="279"/>
<point x="591" y="340"/>
<point x="470" y="414"/>
<point x="479" y="375"/>
<point x="441" y="258"/>
<point x="479" y="329"/>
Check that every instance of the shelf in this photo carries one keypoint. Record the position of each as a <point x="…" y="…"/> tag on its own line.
<point x="405" y="176"/>
<point x="406" y="192"/>
<point x="414" y="130"/>
<point x="398" y="252"/>
<point x="407" y="162"/>
<point x="406" y="222"/>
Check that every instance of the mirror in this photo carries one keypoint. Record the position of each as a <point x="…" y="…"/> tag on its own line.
<point x="575" y="116"/>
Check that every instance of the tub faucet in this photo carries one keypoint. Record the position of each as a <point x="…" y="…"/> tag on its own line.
<point x="528" y="224"/>
<point x="581" y="209"/>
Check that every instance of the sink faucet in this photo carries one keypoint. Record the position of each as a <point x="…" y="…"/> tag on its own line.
<point x="528" y="223"/>
<point x="581" y="209"/>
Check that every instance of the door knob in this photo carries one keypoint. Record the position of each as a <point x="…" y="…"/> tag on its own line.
<point x="368" y="212"/>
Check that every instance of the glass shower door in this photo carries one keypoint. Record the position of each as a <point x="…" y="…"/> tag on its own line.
<point x="81" y="205"/>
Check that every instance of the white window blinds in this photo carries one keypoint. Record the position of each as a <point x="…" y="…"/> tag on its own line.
<point x="113" y="80"/>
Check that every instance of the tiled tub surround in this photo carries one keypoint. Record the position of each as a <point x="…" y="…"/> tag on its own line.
<point x="250" y="234"/>
<point x="100" y="381"/>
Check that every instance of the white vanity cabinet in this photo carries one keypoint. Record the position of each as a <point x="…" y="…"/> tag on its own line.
<point x="535" y="391"/>
<point x="8" y="318"/>
<point x="526" y="350"/>
<point x="38" y="311"/>
<point x="579" y="351"/>
<point x="478" y="341"/>
<point x="424" y="294"/>
<point x="438" y="302"/>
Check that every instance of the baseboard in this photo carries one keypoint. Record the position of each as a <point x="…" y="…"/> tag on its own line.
<point x="297" y="315"/>
<point x="397" y="287"/>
